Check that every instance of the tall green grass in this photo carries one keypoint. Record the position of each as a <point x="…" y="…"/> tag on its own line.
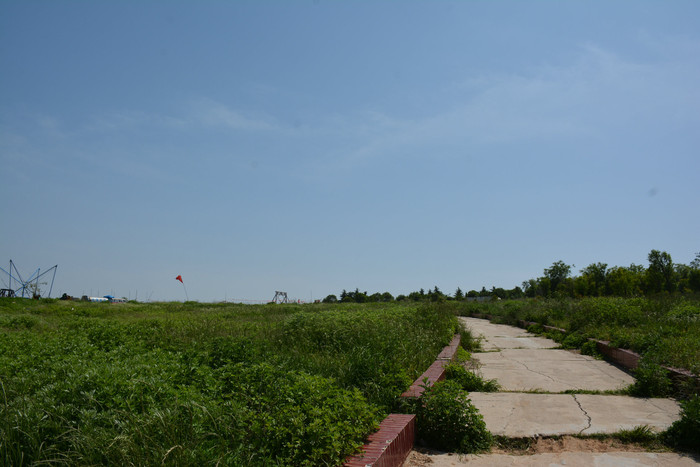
<point x="204" y="384"/>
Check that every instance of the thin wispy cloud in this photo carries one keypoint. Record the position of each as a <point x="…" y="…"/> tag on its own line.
<point x="595" y="94"/>
<point x="216" y="114"/>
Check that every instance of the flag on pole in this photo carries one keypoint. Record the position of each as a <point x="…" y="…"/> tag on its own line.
<point x="179" y="278"/>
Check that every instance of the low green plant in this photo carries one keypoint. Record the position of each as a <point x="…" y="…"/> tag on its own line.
<point x="469" y="380"/>
<point x="685" y="433"/>
<point x="651" y="380"/>
<point x="642" y="434"/>
<point x="590" y="348"/>
<point x="447" y="420"/>
<point x="468" y="341"/>
<point x="573" y="341"/>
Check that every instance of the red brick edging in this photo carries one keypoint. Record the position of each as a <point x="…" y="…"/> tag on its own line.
<point x="435" y="372"/>
<point x="390" y="446"/>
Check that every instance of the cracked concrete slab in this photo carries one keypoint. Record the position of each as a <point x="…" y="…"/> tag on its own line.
<point x="519" y="415"/>
<point x="523" y="342"/>
<point x="614" y="413"/>
<point x="498" y="336"/>
<point x="483" y="327"/>
<point x="550" y="370"/>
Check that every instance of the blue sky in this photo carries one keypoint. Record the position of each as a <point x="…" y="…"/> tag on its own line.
<point x="317" y="146"/>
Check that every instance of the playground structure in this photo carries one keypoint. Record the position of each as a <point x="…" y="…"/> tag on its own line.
<point x="29" y="288"/>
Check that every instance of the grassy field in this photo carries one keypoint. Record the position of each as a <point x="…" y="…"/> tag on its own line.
<point x="207" y="384"/>
<point x="664" y="330"/>
<point x="185" y="384"/>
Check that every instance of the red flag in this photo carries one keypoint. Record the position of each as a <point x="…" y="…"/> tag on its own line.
<point x="179" y="278"/>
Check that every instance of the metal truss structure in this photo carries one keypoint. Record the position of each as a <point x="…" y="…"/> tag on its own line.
<point x="280" y="297"/>
<point x="29" y="288"/>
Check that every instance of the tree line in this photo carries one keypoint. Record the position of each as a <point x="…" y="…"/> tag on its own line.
<point x="661" y="275"/>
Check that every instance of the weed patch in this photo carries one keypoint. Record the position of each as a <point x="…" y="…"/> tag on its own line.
<point x="651" y="381"/>
<point x="205" y="384"/>
<point x="447" y="420"/>
<point x="685" y="433"/>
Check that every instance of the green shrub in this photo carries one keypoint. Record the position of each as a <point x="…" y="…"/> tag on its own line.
<point x="590" y="348"/>
<point x="447" y="420"/>
<point x="651" y="381"/>
<point x="468" y="341"/>
<point x="685" y="433"/>
<point x="573" y="341"/>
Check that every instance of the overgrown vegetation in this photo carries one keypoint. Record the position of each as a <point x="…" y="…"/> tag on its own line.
<point x="447" y="420"/>
<point x="685" y="433"/>
<point x="465" y="372"/>
<point x="204" y="384"/>
<point x="651" y="380"/>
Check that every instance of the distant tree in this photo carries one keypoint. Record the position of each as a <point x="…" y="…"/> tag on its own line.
<point x="330" y="299"/>
<point x="401" y="298"/>
<point x="625" y="282"/>
<point x="530" y="288"/>
<point x="416" y="296"/>
<point x="595" y="279"/>
<point x="360" y="297"/>
<point x="556" y="274"/>
<point x="459" y="295"/>
<point x="387" y="297"/>
<point x="582" y="285"/>
<point x="683" y="274"/>
<point x="566" y="288"/>
<point x="515" y="293"/>
<point x="375" y="297"/>
<point x="472" y="293"/>
<point x="694" y="274"/>
<point x="544" y="287"/>
<point x="660" y="273"/>
<point x="695" y="264"/>
<point x="484" y="292"/>
<point x="436" y="295"/>
<point x="498" y="292"/>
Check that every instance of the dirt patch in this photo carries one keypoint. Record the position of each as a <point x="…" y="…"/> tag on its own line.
<point x="421" y="457"/>
<point x="417" y="459"/>
<point x="572" y="444"/>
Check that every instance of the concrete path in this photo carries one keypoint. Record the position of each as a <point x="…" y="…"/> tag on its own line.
<point x="550" y="370"/>
<point x="520" y="415"/>
<point x="569" y="459"/>
<point x="520" y="361"/>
